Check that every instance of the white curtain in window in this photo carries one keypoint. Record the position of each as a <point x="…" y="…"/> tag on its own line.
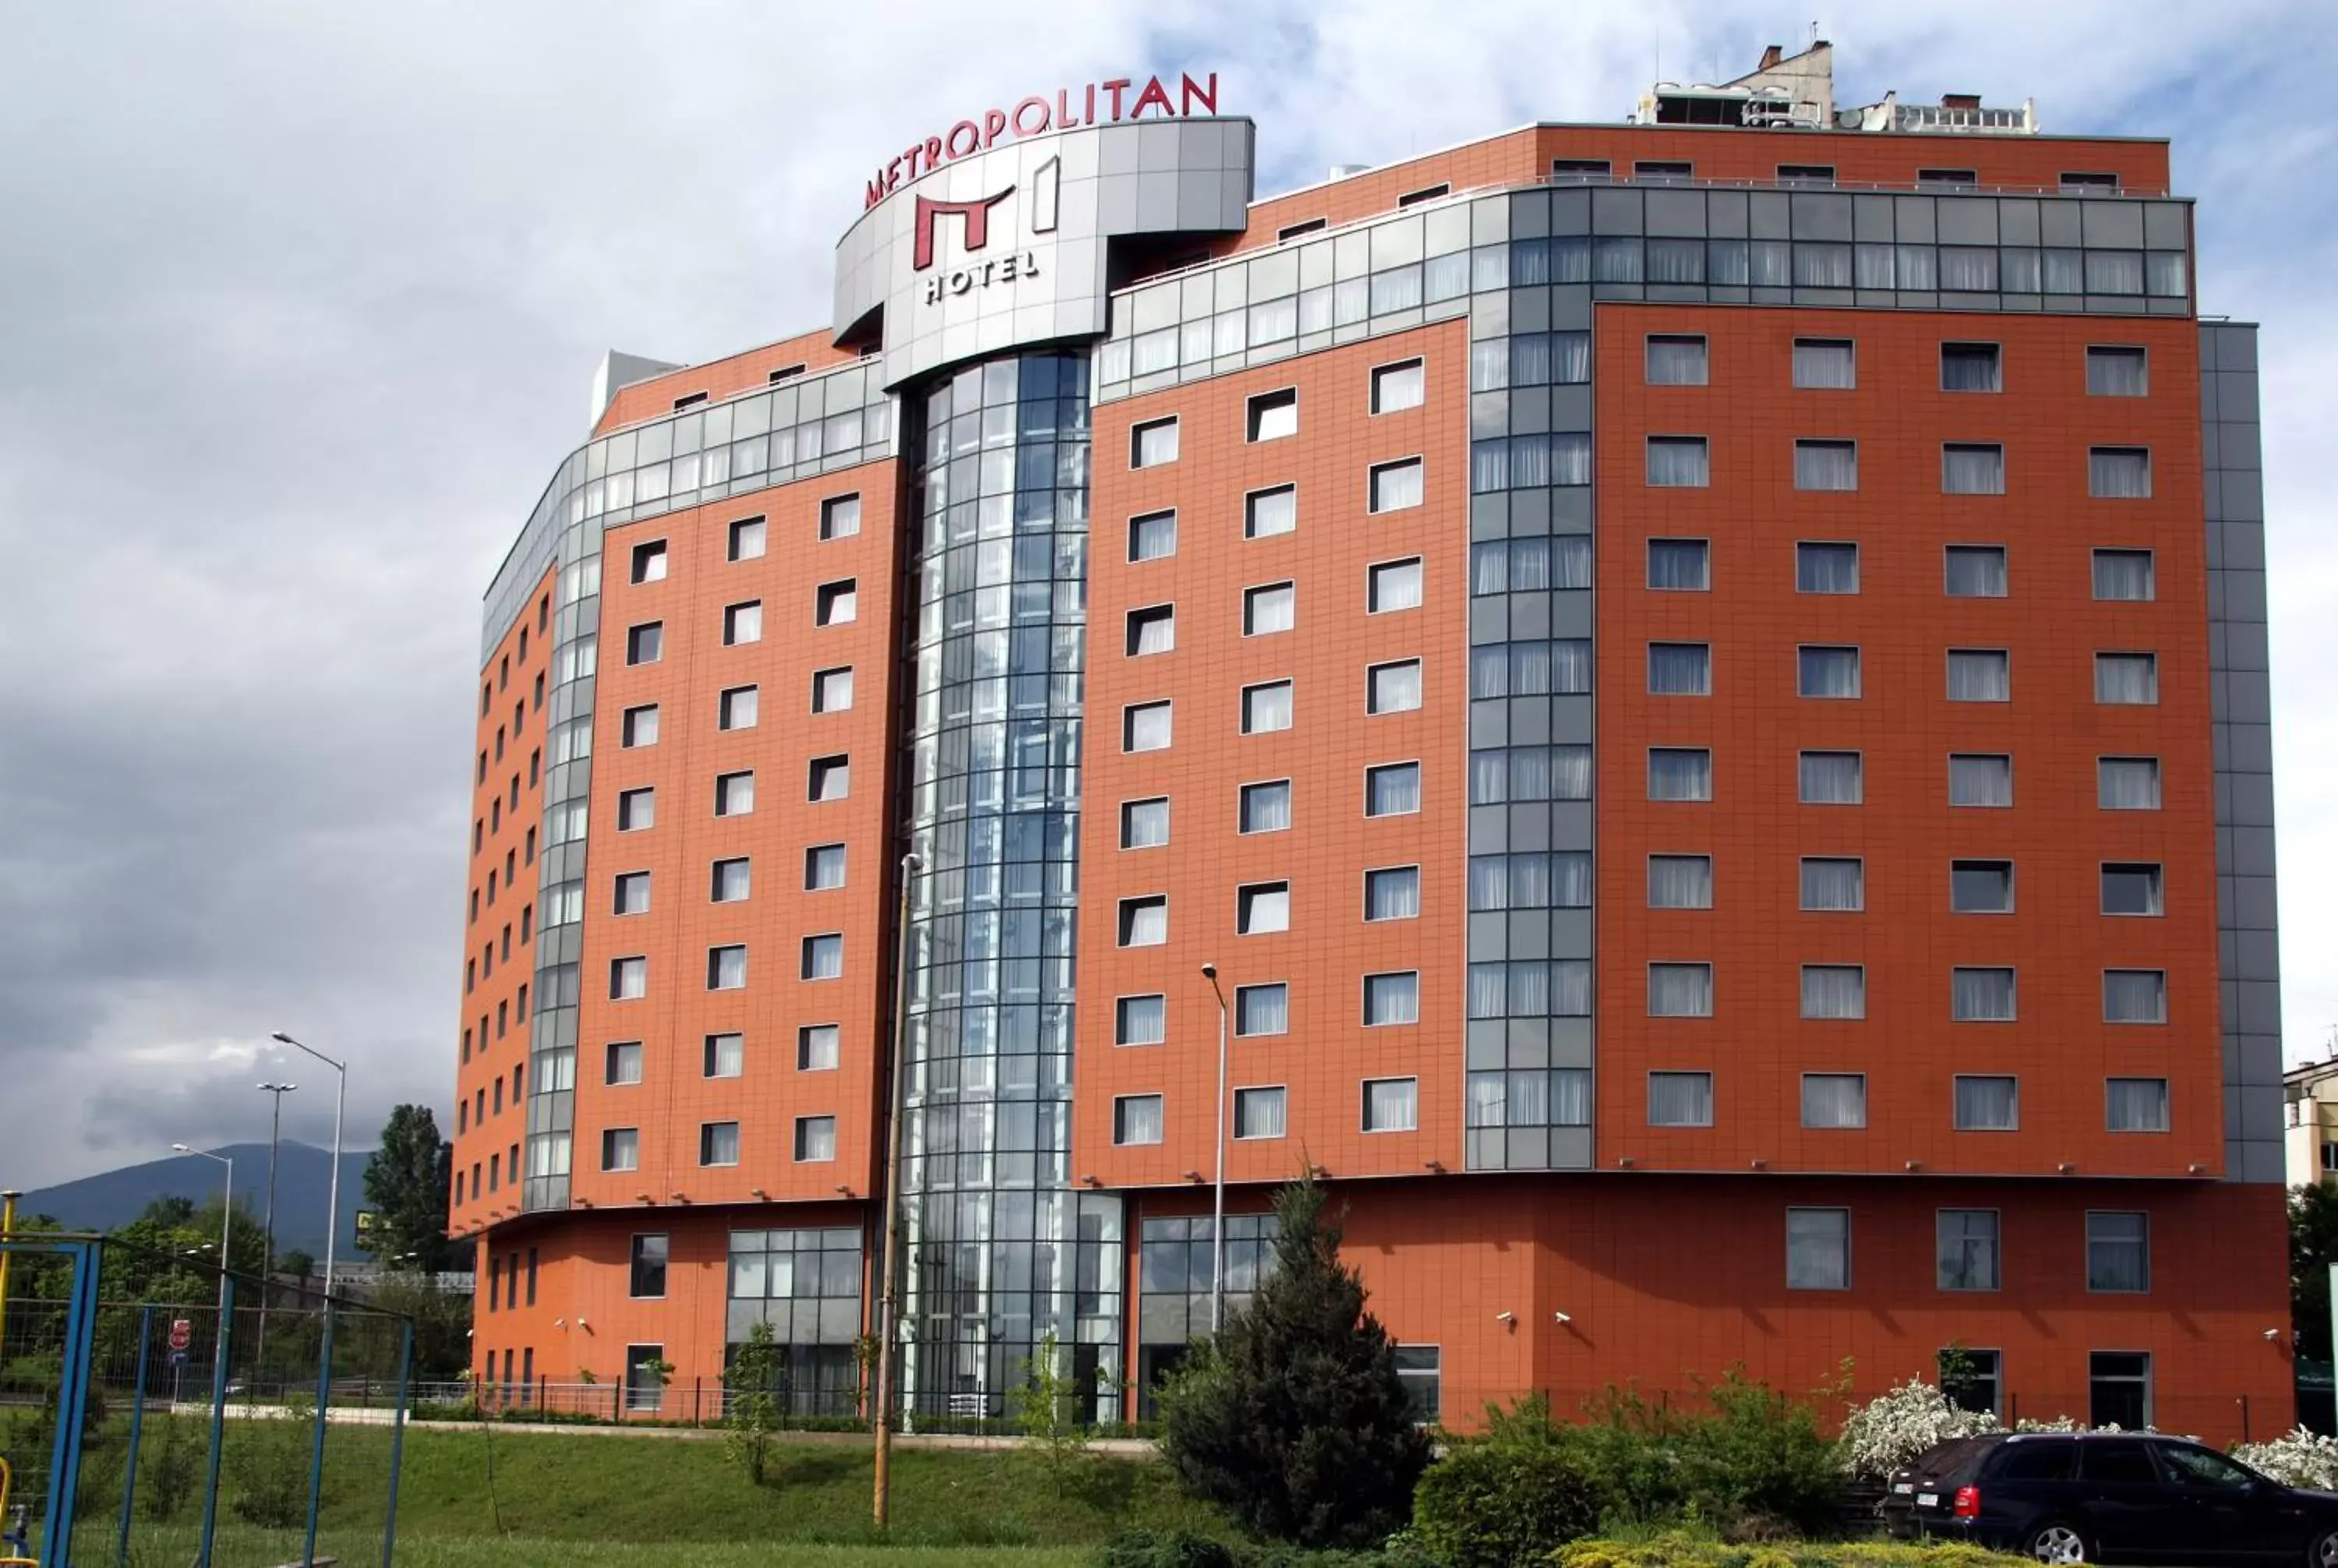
<point x="2018" y="270"/>
<point x="1680" y="669"/>
<point x="721" y="1143"/>
<point x="1872" y="267"/>
<point x="1568" y="663"/>
<point x="2138" y="1104"/>
<point x="1615" y="260"/>
<point x="1570" y="357"/>
<point x="1265" y="708"/>
<point x="1396" y="688"/>
<point x="1680" y="990"/>
<point x="1979" y="780"/>
<point x="1395" y="486"/>
<point x="1834" y="1099"/>
<point x="1490" y="568"/>
<point x="1569" y="772"/>
<point x="1976" y="572"/>
<point x="1726" y="262"/>
<point x="1265" y="909"/>
<point x="1271" y="512"/>
<point x="1971" y="269"/>
<point x="1679" y="774"/>
<point x="1826" y="568"/>
<point x="1972" y="470"/>
<point x="1979" y="675"/>
<point x="2127" y="678"/>
<point x="1489" y="778"/>
<point x="1529" y="564"/>
<point x="1258" y="1112"/>
<point x="1391" y="998"/>
<point x="1818" y="1249"/>
<point x="1570" y="1097"/>
<point x="2064" y="274"/>
<point x="1490" y="882"/>
<point x="1266" y="809"/>
<point x="1969" y="367"/>
<point x="1570" y="878"/>
<point x="2118" y="1252"/>
<point x="1986" y="1104"/>
<point x="1679" y="563"/>
<point x="1529" y="988"/>
<point x="2123" y="574"/>
<point x="1155" y="634"/>
<point x="1680" y="882"/>
<point x="1145" y="923"/>
<point x="1570" y="561"/>
<point x="1918" y="266"/>
<point x="1967" y="1249"/>
<point x="1396" y="586"/>
<point x="1522" y="360"/>
<point x="1262" y="1009"/>
<point x="1676" y="361"/>
<point x="1833" y="884"/>
<point x="1981" y="996"/>
<point x="823" y="957"/>
<point x="1570" y="987"/>
<point x="1825" y="363"/>
<point x="1488" y="1099"/>
<point x="2163" y="274"/>
<point x="2114" y="272"/>
<point x="1527" y="1098"/>
<point x="1390" y="1105"/>
<point x="726" y="1056"/>
<point x="1273" y="609"/>
<point x="1679" y="461"/>
<point x="1819" y="264"/>
<point x="727" y="968"/>
<point x="1148" y="727"/>
<point x="1147" y="824"/>
<point x="1488" y="997"/>
<point x="1830" y="672"/>
<point x="1826" y="465"/>
<point x="1394" y="895"/>
<point x="1144" y="1020"/>
<point x="2135" y="996"/>
<point x="2119" y="473"/>
<point x="1677" y="262"/>
<point x="1680" y="1099"/>
<point x="1139" y="1118"/>
<point x="1771" y="263"/>
<point x="1394" y="790"/>
<point x="2127" y="783"/>
<point x="1834" y="991"/>
<point x="1571" y="458"/>
<point x="2117" y="372"/>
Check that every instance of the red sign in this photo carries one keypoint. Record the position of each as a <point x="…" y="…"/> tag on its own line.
<point x="183" y="1333"/>
<point x="1036" y="116"/>
<point x="978" y="224"/>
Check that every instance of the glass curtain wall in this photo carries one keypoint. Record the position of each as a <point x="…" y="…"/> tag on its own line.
<point x="999" y="1250"/>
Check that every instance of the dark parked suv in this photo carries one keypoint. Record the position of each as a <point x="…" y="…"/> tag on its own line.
<point x="2109" y="1498"/>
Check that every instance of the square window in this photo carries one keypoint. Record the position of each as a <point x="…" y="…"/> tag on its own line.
<point x="621" y="1062"/>
<point x="649" y="562"/>
<point x="1392" y="893"/>
<point x="718" y="1144"/>
<point x="1807" y="175"/>
<point x="1831" y="778"/>
<point x="1818" y="1249"/>
<point x="2119" y="473"/>
<point x="1680" y="881"/>
<point x="1661" y="172"/>
<point x="830" y="778"/>
<point x="1265" y="807"/>
<point x="1952" y="177"/>
<point x="2127" y="783"/>
<point x="1680" y="773"/>
<point x="1980" y="886"/>
<point x="1679" y="565"/>
<point x="735" y="794"/>
<point x="1269" y="609"/>
<point x="747" y="540"/>
<point x="823" y="956"/>
<point x="640" y="727"/>
<point x="1392" y="790"/>
<point x="1834" y="884"/>
<point x="726" y="968"/>
<point x="1141" y="1020"/>
<point x="1391" y="1104"/>
<point x="1273" y="415"/>
<point x="1153" y="630"/>
<point x="831" y="690"/>
<point x="736" y="709"/>
<point x="823" y="868"/>
<point x="621" y="1150"/>
<point x="1967" y="1249"/>
<point x="1825" y="363"/>
<point x="1144" y="824"/>
<point x="1395" y="486"/>
<point x="1398" y="387"/>
<point x="1972" y="468"/>
<point x="1680" y="990"/>
<point x="1393" y="586"/>
<point x="2132" y="888"/>
<point x="1979" y="675"/>
<point x="1258" y="1112"/>
<point x="1679" y="462"/>
<point x="1393" y="687"/>
<point x="1835" y="1100"/>
<point x="637" y="809"/>
<point x="645" y="643"/>
<point x="724" y="1056"/>
<point x="1152" y="537"/>
<point x="836" y="604"/>
<point x="1971" y="367"/>
<point x="1980" y="778"/>
<point x="815" y="1140"/>
<point x="1675" y="360"/>
<point x="1152" y="443"/>
<point x="1262" y="908"/>
<point x="742" y="623"/>
<point x="1266" y="513"/>
<point x="2115" y="371"/>
<point x="2127" y="678"/>
<point x="1829" y="672"/>
<point x="1680" y="1099"/>
<point x="1834" y="991"/>
<point x="2135" y="996"/>
<point x="1135" y="1120"/>
<point x="1265" y="708"/>
<point x="1144" y="727"/>
<point x="1580" y="171"/>
<point x="632" y="893"/>
<point x="1680" y="669"/>
<point x="2125" y="575"/>
<point x="1826" y="465"/>
<point x="1263" y="1009"/>
<point x="1976" y="572"/>
<point x="1988" y="1103"/>
<point x="2118" y="1252"/>
<point x="1981" y="995"/>
<point x="628" y="978"/>
<point x="1392" y="998"/>
<point x="818" y="1047"/>
<point x="1145" y="922"/>
<point x="730" y="881"/>
<point x="840" y="517"/>
<point x="1826" y="568"/>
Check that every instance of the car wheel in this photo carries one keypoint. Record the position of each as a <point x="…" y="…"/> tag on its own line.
<point x="2059" y="1543"/>
<point x="2324" y="1551"/>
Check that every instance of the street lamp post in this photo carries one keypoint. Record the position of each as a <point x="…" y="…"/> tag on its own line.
<point x="333" y="1182"/>
<point x="227" y="1216"/>
<point x="268" y="1247"/>
<point x="1218" y="1209"/>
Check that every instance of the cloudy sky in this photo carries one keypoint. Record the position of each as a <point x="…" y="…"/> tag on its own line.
<point x="299" y="306"/>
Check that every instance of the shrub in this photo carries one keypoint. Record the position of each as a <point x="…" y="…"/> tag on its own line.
<point x="1893" y="1428"/>
<point x="1163" y="1549"/>
<point x="172" y="1451"/>
<point x="1759" y="1462"/>
<point x="268" y="1458"/>
<point x="2298" y="1458"/>
<point x="1496" y="1504"/>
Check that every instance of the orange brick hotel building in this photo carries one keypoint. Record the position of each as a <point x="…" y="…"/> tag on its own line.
<point x="1700" y="680"/>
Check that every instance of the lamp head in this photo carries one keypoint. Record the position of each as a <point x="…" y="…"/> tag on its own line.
<point x="181" y="1149"/>
<point x="1209" y="971"/>
<point x="281" y="1038"/>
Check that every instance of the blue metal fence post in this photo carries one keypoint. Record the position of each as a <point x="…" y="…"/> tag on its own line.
<point x="398" y="1437"/>
<point x="317" y="1453"/>
<point x="72" y="1404"/>
<point x="137" y="1423"/>
<point x="219" y="1418"/>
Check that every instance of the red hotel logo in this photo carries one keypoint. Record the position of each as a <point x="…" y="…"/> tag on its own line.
<point x="977" y="214"/>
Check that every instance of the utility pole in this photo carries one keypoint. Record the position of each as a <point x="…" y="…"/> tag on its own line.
<point x="332" y="1182"/>
<point x="227" y="1217"/>
<point x="8" y="1227"/>
<point x="1218" y="1206"/>
<point x="267" y="1247"/>
<point x="888" y="1286"/>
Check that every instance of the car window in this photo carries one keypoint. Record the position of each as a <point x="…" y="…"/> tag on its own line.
<point x="2201" y="1467"/>
<point x="1942" y="1457"/>
<point x="2048" y="1459"/>
<point x="2116" y="1461"/>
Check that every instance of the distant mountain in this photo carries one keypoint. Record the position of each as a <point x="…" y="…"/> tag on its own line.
<point x="114" y="1198"/>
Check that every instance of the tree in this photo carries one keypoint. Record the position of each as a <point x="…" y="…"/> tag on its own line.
<point x="2312" y="1248"/>
<point x="442" y="1323"/>
<point x="407" y="1183"/>
<point x="751" y="1410"/>
<point x="1045" y="1408"/>
<point x="1293" y="1416"/>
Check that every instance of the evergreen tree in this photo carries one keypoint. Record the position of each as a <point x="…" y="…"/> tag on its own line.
<point x="407" y="1184"/>
<point x="1292" y="1418"/>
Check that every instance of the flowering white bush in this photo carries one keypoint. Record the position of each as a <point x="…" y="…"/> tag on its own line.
<point x="2060" y="1423"/>
<point x="1890" y="1429"/>
<point x="2299" y="1458"/>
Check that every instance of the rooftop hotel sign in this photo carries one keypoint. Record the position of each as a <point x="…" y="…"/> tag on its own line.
<point x="1097" y="103"/>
